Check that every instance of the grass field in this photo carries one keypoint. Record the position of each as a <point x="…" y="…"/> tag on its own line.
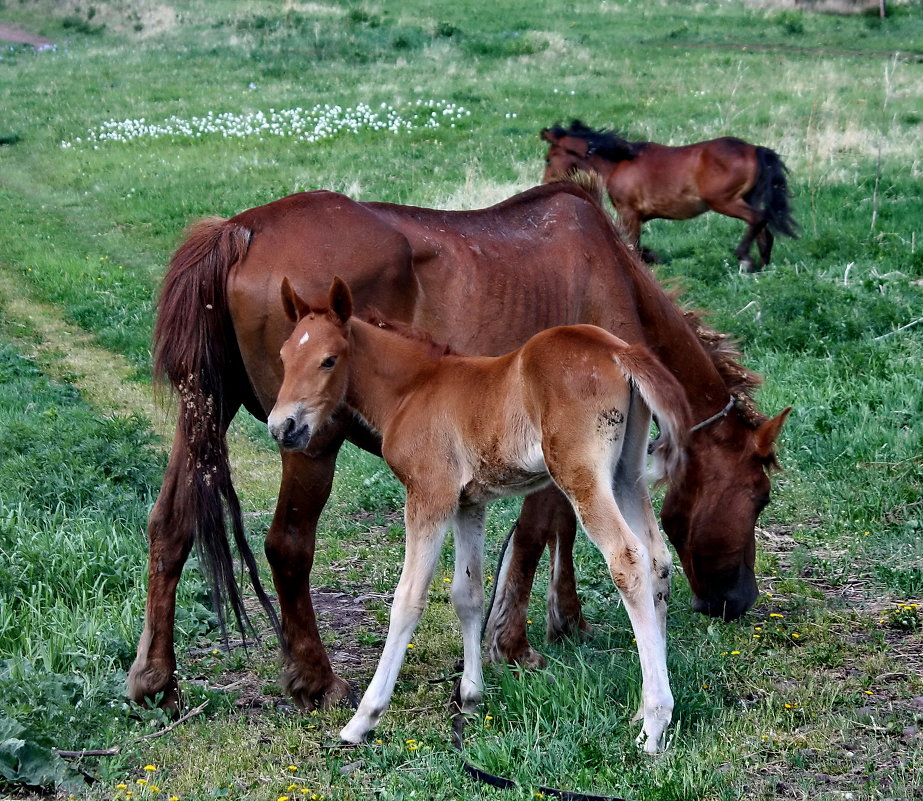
<point x="145" y="116"/>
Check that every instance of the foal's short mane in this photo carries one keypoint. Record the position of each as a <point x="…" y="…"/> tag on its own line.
<point x="412" y="332"/>
<point x="605" y="143"/>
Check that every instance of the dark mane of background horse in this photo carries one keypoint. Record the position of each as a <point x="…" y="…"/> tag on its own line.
<point x="605" y="143"/>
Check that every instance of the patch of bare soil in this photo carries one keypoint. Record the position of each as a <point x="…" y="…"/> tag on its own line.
<point x="341" y="617"/>
<point x="17" y="36"/>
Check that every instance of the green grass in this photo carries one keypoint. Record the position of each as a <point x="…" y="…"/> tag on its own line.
<point x="811" y="695"/>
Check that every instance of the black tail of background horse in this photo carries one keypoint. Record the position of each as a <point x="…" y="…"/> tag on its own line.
<point x="203" y="364"/>
<point x="771" y="194"/>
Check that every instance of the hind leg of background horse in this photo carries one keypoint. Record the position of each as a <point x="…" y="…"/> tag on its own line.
<point x="306" y="482"/>
<point x="468" y="600"/>
<point x="424" y="543"/>
<point x="506" y="625"/>
<point x="764" y="240"/>
<point x="170" y="535"/>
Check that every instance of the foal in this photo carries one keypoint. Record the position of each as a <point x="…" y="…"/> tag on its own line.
<point x="573" y="406"/>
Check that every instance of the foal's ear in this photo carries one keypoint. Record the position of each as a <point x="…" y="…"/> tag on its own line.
<point x="547" y="135"/>
<point x="340" y="300"/>
<point x="295" y="307"/>
<point x="768" y="432"/>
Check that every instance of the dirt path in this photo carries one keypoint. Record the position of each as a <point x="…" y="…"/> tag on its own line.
<point x="17" y="36"/>
<point x="105" y="379"/>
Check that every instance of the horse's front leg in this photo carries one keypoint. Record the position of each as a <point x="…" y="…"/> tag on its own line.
<point x="425" y="535"/>
<point x="307" y="478"/>
<point x="170" y="536"/>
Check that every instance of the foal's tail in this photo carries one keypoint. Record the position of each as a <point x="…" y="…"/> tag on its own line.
<point x="771" y="194"/>
<point x="195" y="349"/>
<point x="666" y="399"/>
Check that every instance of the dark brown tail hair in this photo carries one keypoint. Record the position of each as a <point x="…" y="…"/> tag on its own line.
<point x="196" y="351"/>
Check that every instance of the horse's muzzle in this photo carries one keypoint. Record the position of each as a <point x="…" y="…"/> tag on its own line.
<point x="730" y="606"/>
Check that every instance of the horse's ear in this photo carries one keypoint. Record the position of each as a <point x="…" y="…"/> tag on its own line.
<point x="340" y="299"/>
<point x="768" y="432"/>
<point x="546" y="134"/>
<point x="295" y="307"/>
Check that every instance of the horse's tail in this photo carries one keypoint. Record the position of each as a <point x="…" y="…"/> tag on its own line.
<point x="771" y="194"/>
<point x="666" y="399"/>
<point x="195" y="349"/>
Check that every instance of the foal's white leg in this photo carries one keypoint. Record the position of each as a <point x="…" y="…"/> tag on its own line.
<point x="424" y="543"/>
<point x="630" y="567"/>
<point x="634" y="501"/>
<point x="468" y="599"/>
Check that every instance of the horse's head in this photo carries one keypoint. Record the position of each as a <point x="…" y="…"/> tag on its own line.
<point x="710" y="515"/>
<point x="315" y="358"/>
<point x="565" y="155"/>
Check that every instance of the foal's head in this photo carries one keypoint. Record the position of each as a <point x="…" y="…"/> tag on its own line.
<point x="316" y="362"/>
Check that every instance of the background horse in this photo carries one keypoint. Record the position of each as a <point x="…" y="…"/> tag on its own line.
<point x="483" y="282"/>
<point x="646" y="181"/>
<point x="572" y="405"/>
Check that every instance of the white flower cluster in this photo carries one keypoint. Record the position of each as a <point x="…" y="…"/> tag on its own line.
<point x="320" y="122"/>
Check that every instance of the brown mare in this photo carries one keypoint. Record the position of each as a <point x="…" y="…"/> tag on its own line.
<point x="483" y="282"/>
<point x="647" y="181"/>
<point x="572" y="405"/>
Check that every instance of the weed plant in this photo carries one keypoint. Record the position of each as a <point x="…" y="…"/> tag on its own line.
<point x="143" y="117"/>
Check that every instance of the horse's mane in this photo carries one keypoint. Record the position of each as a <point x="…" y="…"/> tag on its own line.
<point x="436" y="349"/>
<point x="740" y="381"/>
<point x="605" y="143"/>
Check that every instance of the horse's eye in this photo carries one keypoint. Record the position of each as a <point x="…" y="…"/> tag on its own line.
<point x="328" y="363"/>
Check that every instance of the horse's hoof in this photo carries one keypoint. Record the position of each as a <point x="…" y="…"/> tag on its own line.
<point x="310" y="695"/>
<point x="566" y="628"/>
<point x="147" y="687"/>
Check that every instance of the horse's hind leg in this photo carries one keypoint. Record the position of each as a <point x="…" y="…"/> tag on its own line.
<point x="764" y="240"/>
<point x="545" y="516"/>
<point x="563" y="615"/>
<point x="307" y="479"/>
<point x="170" y="536"/>
<point x="425" y="534"/>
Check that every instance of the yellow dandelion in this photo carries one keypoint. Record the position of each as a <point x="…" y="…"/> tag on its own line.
<point x="869" y="692"/>
<point x="141" y="781"/>
<point x="150" y="768"/>
<point x="775" y="614"/>
<point x="488" y="717"/>
<point x="293" y="767"/>
<point x="411" y="741"/>
<point x="155" y="788"/>
<point x="756" y="636"/>
<point x="447" y="580"/>
<point x="174" y="798"/>
<point x="735" y="653"/>
<point x="410" y="645"/>
<point x="292" y="787"/>
<point x="705" y="686"/>
<point x="121" y="787"/>
<point x="378" y="742"/>
<point x="795" y="634"/>
<point x="282" y="798"/>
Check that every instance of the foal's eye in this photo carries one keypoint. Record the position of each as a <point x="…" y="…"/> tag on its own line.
<point x="328" y="363"/>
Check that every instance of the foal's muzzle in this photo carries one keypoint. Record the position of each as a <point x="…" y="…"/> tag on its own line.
<point x="290" y="433"/>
